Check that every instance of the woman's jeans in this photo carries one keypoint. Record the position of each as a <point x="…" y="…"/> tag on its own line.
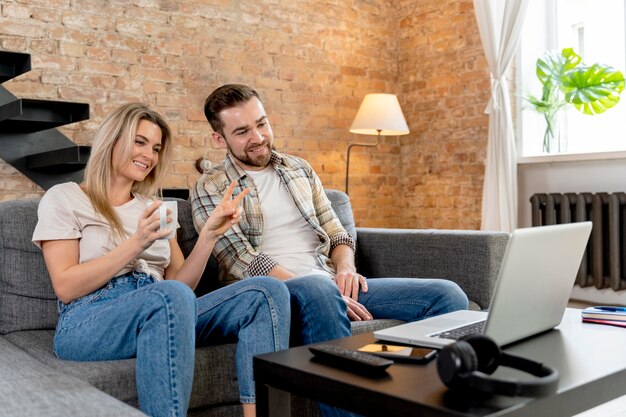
<point x="160" y="323"/>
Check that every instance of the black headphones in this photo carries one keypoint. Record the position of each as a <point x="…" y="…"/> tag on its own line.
<point x="467" y="364"/>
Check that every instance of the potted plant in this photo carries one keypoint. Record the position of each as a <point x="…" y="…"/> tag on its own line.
<point x="566" y="80"/>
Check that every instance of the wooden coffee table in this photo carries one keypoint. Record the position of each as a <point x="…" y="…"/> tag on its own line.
<point x="591" y="360"/>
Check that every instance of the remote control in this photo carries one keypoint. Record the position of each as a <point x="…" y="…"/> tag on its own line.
<point x="351" y="360"/>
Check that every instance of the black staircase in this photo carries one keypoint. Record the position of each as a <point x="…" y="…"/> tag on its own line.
<point x="29" y="139"/>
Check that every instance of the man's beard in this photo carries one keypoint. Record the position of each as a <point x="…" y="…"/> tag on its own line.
<point x="261" y="161"/>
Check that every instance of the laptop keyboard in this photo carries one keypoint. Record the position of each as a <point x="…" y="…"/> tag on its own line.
<point x="459" y="332"/>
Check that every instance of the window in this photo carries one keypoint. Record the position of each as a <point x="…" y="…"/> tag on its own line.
<point x="595" y="30"/>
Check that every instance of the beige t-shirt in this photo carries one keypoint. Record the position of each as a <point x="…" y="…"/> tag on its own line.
<point x="65" y="212"/>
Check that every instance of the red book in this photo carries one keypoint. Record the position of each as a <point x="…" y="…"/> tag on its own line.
<point x="609" y="322"/>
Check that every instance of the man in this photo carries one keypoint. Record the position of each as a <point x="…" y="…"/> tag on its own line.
<point x="288" y="228"/>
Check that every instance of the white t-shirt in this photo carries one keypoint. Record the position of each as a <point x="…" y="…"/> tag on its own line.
<point x="65" y="212"/>
<point x="287" y="237"/>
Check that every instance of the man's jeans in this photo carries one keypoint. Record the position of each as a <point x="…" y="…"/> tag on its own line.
<point x="161" y="323"/>
<point x="411" y="299"/>
<point x="318" y="313"/>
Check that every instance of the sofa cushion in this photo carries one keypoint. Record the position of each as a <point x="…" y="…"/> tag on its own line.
<point x="116" y="378"/>
<point x="215" y="378"/>
<point x="360" y="327"/>
<point x="27" y="300"/>
<point x="30" y="388"/>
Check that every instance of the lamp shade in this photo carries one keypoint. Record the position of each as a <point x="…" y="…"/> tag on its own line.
<point x="380" y="114"/>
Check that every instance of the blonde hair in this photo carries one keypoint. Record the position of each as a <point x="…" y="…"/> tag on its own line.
<point x="121" y="126"/>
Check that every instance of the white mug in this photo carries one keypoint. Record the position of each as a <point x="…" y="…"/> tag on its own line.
<point x="171" y="226"/>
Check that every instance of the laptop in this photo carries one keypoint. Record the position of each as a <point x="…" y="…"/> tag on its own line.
<point x="533" y="288"/>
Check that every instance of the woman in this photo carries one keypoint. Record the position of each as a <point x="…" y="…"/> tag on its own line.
<point x="126" y="292"/>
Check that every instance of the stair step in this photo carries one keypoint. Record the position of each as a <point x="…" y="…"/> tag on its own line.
<point x="28" y="115"/>
<point x="59" y="161"/>
<point x="13" y="64"/>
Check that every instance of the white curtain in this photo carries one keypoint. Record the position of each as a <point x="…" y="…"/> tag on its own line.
<point x="500" y="23"/>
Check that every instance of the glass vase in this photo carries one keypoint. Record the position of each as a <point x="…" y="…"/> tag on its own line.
<point x="555" y="137"/>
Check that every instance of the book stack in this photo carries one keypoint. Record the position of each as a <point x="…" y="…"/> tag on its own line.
<point x="614" y="316"/>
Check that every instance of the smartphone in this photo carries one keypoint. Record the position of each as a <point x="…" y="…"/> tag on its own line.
<point x="400" y="353"/>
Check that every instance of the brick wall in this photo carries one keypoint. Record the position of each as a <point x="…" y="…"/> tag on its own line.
<point x="312" y="61"/>
<point x="445" y="82"/>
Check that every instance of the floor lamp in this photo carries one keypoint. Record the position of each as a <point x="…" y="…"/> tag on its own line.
<point x="380" y="115"/>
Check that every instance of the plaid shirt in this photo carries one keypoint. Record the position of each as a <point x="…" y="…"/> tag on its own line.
<point x="238" y="250"/>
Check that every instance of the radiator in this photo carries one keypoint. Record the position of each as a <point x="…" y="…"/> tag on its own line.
<point x="604" y="261"/>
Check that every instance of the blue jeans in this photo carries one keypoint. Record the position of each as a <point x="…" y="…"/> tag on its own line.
<point x="161" y="323"/>
<point x="318" y="313"/>
<point x="411" y="299"/>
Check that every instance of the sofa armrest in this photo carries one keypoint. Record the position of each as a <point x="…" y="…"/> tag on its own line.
<point x="468" y="257"/>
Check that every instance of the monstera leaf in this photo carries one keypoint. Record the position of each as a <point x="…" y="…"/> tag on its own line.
<point x="591" y="89"/>
<point x="594" y="89"/>
<point x="566" y="80"/>
<point x="554" y="65"/>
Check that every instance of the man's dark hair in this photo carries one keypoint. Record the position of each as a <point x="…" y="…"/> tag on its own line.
<point x="226" y="96"/>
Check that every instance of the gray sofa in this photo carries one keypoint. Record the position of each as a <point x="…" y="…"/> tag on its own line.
<point x="33" y="382"/>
